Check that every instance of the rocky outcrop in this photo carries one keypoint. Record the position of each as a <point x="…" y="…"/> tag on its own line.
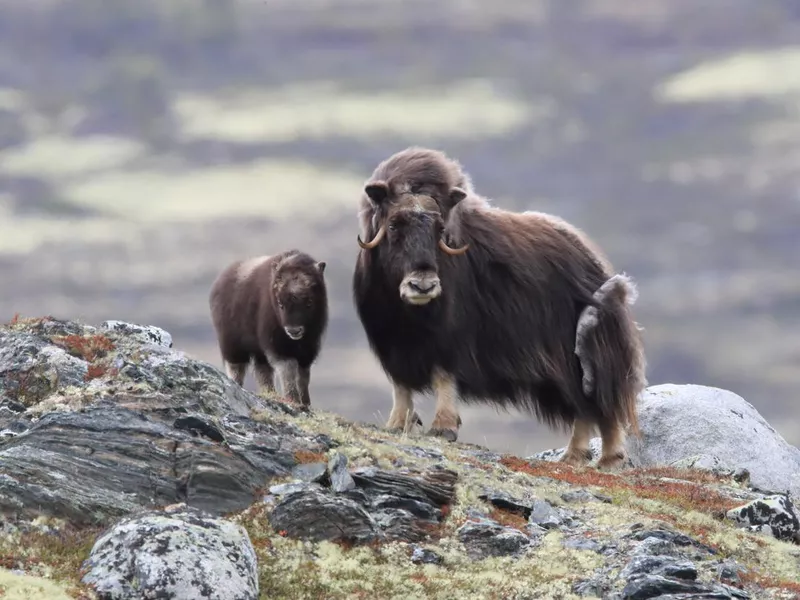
<point x="99" y="423"/>
<point x="179" y="553"/>
<point x="708" y="428"/>
<point x="130" y="470"/>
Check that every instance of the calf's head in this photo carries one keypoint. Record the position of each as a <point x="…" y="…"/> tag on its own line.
<point x="411" y="233"/>
<point x="298" y="294"/>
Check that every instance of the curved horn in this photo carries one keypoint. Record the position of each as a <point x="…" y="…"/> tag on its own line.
<point x="452" y="251"/>
<point x="375" y="241"/>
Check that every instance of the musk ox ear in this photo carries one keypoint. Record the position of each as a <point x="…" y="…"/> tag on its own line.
<point x="321" y="266"/>
<point x="455" y="196"/>
<point x="377" y="191"/>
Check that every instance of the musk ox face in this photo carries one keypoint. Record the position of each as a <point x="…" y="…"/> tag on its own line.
<point x="296" y="296"/>
<point x="411" y="232"/>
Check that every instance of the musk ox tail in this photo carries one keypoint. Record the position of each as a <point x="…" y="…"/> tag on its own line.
<point x="609" y="348"/>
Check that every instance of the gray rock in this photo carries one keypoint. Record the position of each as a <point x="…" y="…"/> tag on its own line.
<point x="582" y="544"/>
<point x="682" y="421"/>
<point x="341" y="480"/>
<point x="665" y="541"/>
<point x="506" y="502"/>
<point x="149" y="334"/>
<point x="400" y="525"/>
<point x="595" y="587"/>
<point x="106" y="461"/>
<point x="312" y="472"/>
<point x="729" y="572"/>
<point x="488" y="538"/>
<point x="544" y="515"/>
<point x="668" y="566"/>
<point x="317" y="515"/>
<point x="32" y="368"/>
<point x="425" y="556"/>
<point x="284" y="489"/>
<point x="776" y="512"/>
<point x="164" y="429"/>
<point x="436" y="486"/>
<point x="707" y="427"/>
<point x="178" y="554"/>
<point x="659" y="586"/>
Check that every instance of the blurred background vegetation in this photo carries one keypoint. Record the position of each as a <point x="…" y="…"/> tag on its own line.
<point x="145" y="144"/>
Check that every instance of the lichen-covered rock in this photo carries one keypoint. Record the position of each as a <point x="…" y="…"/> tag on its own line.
<point x="178" y="554"/>
<point x="660" y="586"/>
<point x="707" y="428"/>
<point x="148" y="427"/>
<point x="487" y="538"/>
<point x="317" y="515"/>
<point x="776" y="512"/>
<point x="149" y="334"/>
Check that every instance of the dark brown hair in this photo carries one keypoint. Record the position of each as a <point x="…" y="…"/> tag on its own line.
<point x="507" y="320"/>
<point x="257" y="303"/>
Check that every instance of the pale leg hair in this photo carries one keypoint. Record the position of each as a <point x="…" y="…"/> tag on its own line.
<point x="402" y="417"/>
<point x="614" y="454"/>
<point x="577" y="452"/>
<point x="446" y="421"/>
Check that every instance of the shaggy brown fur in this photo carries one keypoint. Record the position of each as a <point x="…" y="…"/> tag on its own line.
<point x="272" y="310"/>
<point x="487" y="305"/>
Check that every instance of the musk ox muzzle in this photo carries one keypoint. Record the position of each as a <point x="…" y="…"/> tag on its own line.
<point x="295" y="333"/>
<point x="420" y="287"/>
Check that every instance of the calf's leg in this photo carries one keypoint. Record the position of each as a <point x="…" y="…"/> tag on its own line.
<point x="236" y="371"/>
<point x="265" y="374"/>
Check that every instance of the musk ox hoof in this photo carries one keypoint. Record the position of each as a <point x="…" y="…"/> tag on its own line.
<point x="576" y="458"/>
<point x="614" y="462"/>
<point x="451" y="435"/>
<point x="399" y="426"/>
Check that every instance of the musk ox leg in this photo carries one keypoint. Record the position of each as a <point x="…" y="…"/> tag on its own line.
<point x="446" y="421"/>
<point x="236" y="371"/>
<point x="303" y="379"/>
<point x="403" y="417"/>
<point x="577" y="453"/>
<point x="288" y="377"/>
<point x="265" y="375"/>
<point x="613" y="455"/>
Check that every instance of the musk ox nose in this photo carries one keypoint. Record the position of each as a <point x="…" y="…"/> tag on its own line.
<point x="294" y="332"/>
<point x="423" y="286"/>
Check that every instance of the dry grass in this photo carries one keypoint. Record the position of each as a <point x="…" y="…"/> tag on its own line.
<point x="686" y="495"/>
<point x="90" y="348"/>
<point x="305" y="457"/>
<point x="57" y="555"/>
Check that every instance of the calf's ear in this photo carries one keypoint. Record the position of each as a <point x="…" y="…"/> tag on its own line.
<point x="377" y="191"/>
<point x="321" y="266"/>
<point x="455" y="196"/>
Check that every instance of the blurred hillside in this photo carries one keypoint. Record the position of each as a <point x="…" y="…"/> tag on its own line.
<point x="144" y="145"/>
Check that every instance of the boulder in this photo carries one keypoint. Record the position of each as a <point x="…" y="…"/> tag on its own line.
<point x="707" y="427"/>
<point x="178" y="554"/>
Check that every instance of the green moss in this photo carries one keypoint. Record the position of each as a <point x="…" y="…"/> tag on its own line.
<point x="26" y="587"/>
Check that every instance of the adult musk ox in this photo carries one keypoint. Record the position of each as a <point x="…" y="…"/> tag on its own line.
<point x="474" y="302"/>
<point x="272" y="310"/>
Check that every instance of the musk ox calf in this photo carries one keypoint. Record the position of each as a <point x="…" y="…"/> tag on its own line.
<point x="272" y="310"/>
<point x="486" y="305"/>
